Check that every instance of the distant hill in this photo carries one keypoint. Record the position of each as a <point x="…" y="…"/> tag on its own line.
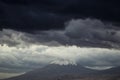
<point x="54" y="71"/>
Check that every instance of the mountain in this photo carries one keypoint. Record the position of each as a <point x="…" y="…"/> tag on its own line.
<point x="68" y="72"/>
<point x="54" y="70"/>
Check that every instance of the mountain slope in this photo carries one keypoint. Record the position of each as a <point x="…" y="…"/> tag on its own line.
<point x="112" y="71"/>
<point x="54" y="70"/>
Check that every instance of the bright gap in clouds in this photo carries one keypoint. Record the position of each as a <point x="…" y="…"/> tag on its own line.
<point x="8" y="75"/>
<point x="34" y="56"/>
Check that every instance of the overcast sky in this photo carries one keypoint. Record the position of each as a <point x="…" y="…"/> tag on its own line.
<point x="35" y="33"/>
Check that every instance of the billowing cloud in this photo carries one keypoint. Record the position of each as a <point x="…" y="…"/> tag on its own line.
<point x="80" y="32"/>
<point x="93" y="31"/>
<point x="19" y="39"/>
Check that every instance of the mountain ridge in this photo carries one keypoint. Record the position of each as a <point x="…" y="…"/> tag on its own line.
<point x="54" y="70"/>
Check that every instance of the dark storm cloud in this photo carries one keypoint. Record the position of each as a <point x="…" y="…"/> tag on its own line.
<point x="51" y="14"/>
<point x="21" y="17"/>
<point x="80" y="32"/>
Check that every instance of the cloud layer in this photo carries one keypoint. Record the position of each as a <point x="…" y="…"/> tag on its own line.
<point x="80" y="32"/>
<point x="88" y="42"/>
<point x="34" y="56"/>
